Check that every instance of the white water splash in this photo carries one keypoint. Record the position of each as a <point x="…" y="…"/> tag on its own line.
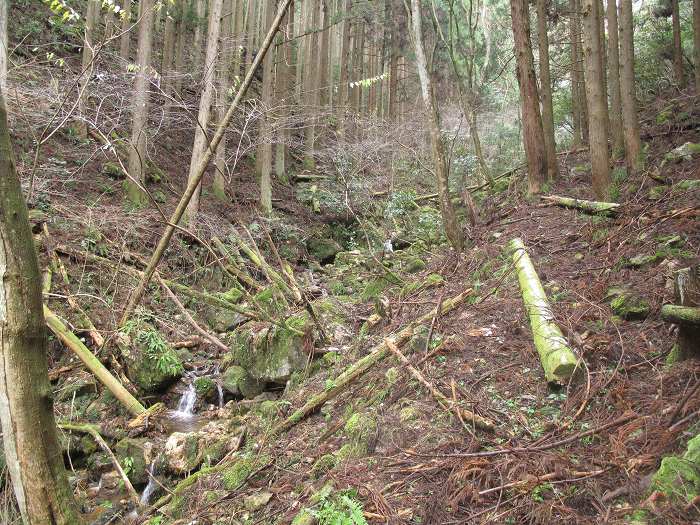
<point x="221" y="395"/>
<point x="185" y="407"/>
<point x="151" y="486"/>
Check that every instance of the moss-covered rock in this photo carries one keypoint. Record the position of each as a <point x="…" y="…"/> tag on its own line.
<point x="361" y="430"/>
<point x="205" y="387"/>
<point x="628" y="305"/>
<point x="685" y="185"/>
<point x="152" y="364"/>
<point x="237" y="381"/>
<point x="323" y="465"/>
<point x="271" y="353"/>
<point x="415" y="265"/>
<point x="323" y="250"/>
<point x="683" y="152"/>
<point x="679" y="477"/>
<point x="236" y="474"/>
<point x="132" y="453"/>
<point x="113" y="170"/>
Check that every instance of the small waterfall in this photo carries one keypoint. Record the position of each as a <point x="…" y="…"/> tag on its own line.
<point x="221" y="395"/>
<point x="151" y="486"/>
<point x="185" y="407"/>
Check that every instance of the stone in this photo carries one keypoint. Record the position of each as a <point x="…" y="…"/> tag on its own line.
<point x="684" y="152"/>
<point x="257" y="501"/>
<point x="628" y="305"/>
<point x="153" y="365"/>
<point x="323" y="249"/>
<point x="133" y="451"/>
<point x="679" y="477"/>
<point x="415" y="265"/>
<point x="237" y="381"/>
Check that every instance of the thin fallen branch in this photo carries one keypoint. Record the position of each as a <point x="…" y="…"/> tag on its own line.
<point x="92" y="431"/>
<point x="201" y="331"/>
<point x="536" y="480"/>
<point x="448" y="405"/>
<point x="362" y="366"/>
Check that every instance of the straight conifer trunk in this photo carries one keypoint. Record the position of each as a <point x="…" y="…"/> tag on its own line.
<point x="344" y="73"/>
<point x="200" y="132"/>
<point x="285" y="93"/>
<point x="125" y="43"/>
<point x="32" y="452"/>
<point x="696" y="43"/>
<point x="597" y="103"/>
<point x="575" y="76"/>
<point x="168" y="58"/>
<point x="265" y="147"/>
<point x="630" y="119"/>
<point x="224" y="80"/>
<point x="677" y="48"/>
<point x="533" y="134"/>
<point x="546" y="94"/>
<point x="449" y="217"/>
<point x="4" y="52"/>
<point x="139" y="108"/>
<point x="618" y="137"/>
<point x="91" y="17"/>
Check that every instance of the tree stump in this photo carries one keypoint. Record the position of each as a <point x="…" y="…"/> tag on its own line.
<point x="686" y="314"/>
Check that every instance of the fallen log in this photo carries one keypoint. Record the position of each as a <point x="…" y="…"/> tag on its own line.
<point x="92" y="363"/>
<point x="450" y="406"/>
<point x="583" y="205"/>
<point x="362" y="366"/>
<point x="674" y="313"/>
<point x="558" y="361"/>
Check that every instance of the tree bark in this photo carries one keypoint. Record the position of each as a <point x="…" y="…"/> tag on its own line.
<point x="285" y="94"/>
<point x="125" y="43"/>
<point x="685" y="313"/>
<point x="344" y="73"/>
<point x="546" y="92"/>
<point x="32" y="451"/>
<point x="224" y="81"/>
<point x="696" y="43"/>
<point x="4" y="42"/>
<point x="618" y="137"/>
<point x="166" y="64"/>
<point x="597" y="104"/>
<point x="200" y="12"/>
<point x="449" y="217"/>
<point x="265" y="146"/>
<point x="139" y="109"/>
<point x="575" y="77"/>
<point x="628" y="93"/>
<point x="200" y="132"/>
<point x="533" y="134"/>
<point x="678" y="72"/>
<point x="91" y="17"/>
<point x="180" y="48"/>
<point x="394" y="61"/>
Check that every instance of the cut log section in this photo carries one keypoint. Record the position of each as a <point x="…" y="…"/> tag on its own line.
<point x="586" y="206"/>
<point x="685" y="313"/>
<point x="558" y="361"/>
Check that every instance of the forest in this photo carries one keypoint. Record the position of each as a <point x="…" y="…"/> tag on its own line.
<point x="349" y="262"/>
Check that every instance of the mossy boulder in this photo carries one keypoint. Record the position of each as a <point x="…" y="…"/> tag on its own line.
<point x="113" y="170"/>
<point x="271" y="353"/>
<point x="205" y="387"/>
<point x="323" y="250"/>
<point x="361" y="430"/>
<point x="236" y="474"/>
<point x="351" y="258"/>
<point x="237" y="381"/>
<point x="152" y="364"/>
<point x="415" y="265"/>
<point x="685" y="185"/>
<point x="679" y="477"/>
<point x="323" y="465"/>
<point x="684" y="152"/>
<point x="222" y="320"/>
<point x="186" y="451"/>
<point x="628" y="305"/>
<point x="131" y="451"/>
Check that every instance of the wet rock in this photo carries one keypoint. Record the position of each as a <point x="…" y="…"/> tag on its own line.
<point x="181" y="451"/>
<point x="187" y="451"/>
<point x="152" y="364"/>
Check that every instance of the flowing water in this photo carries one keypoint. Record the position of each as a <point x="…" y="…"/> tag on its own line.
<point x="152" y="484"/>
<point x="185" y="407"/>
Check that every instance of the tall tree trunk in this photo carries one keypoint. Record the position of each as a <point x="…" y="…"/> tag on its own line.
<point x="4" y="42"/>
<point x="533" y="134"/>
<point x="678" y="72"/>
<point x="200" y="133"/>
<point x="179" y="65"/>
<point x="696" y="43"/>
<point x="597" y="104"/>
<point x="628" y="91"/>
<point x="312" y="76"/>
<point x="546" y="92"/>
<point x="449" y="217"/>
<point x="250" y="32"/>
<point x="91" y="17"/>
<point x="265" y="147"/>
<point x="166" y="64"/>
<point x="199" y="30"/>
<point x="344" y="73"/>
<point x="224" y="78"/>
<point x="394" y="62"/>
<point x="285" y="93"/>
<point x="126" y="34"/>
<point x="618" y="137"/>
<point x="32" y="453"/>
<point x="575" y="77"/>
<point x="139" y="108"/>
<point x="324" y="50"/>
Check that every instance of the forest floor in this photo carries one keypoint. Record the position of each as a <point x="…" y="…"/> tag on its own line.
<point x="584" y="450"/>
